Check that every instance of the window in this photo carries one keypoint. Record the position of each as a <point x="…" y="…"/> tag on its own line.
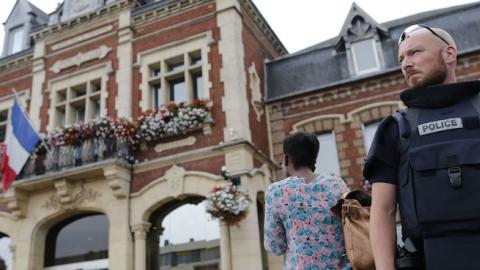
<point x="176" y="79"/>
<point x="365" y="57"/>
<point x="80" y="242"/>
<point x="77" y="103"/>
<point x="16" y="40"/>
<point x="183" y="236"/>
<point x="368" y="134"/>
<point x="3" y="124"/>
<point x="327" y="159"/>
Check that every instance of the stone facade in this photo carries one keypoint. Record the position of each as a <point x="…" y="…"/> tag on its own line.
<point x="113" y="47"/>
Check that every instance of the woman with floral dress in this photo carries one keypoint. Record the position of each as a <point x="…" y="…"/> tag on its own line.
<point x="298" y="220"/>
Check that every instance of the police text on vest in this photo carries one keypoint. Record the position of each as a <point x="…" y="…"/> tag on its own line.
<point x="440" y="125"/>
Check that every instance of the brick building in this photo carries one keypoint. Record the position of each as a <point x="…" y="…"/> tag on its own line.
<point x="96" y="58"/>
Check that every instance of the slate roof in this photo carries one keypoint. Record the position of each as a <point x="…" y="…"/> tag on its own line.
<point x="322" y="66"/>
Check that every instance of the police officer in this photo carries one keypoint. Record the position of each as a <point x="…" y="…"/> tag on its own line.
<point x="428" y="58"/>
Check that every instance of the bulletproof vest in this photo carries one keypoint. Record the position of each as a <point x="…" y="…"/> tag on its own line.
<point x="439" y="173"/>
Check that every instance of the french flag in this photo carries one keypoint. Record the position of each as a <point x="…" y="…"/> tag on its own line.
<point x="20" y="140"/>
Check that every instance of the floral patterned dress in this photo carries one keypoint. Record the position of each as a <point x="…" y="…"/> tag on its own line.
<point x="299" y="223"/>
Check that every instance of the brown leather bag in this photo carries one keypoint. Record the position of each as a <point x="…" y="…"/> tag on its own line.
<point x="354" y="209"/>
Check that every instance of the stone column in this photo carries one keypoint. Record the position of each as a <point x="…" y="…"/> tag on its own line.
<point x="140" y="233"/>
<point x="225" y="248"/>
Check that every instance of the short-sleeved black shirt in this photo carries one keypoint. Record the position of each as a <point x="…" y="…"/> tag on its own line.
<point x="377" y="168"/>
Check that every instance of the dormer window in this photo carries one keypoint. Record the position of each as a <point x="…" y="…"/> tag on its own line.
<point x="365" y="56"/>
<point x="16" y="39"/>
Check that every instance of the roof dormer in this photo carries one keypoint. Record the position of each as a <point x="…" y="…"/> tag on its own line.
<point x="361" y="38"/>
<point x="75" y="8"/>
<point x="22" y="18"/>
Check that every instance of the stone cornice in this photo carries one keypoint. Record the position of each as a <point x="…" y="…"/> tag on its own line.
<point x="17" y="63"/>
<point x="113" y="8"/>
<point x="167" y="10"/>
<point x="264" y="26"/>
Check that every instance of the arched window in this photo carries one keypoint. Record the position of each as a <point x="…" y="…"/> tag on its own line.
<point x="80" y="242"/>
<point x="327" y="158"/>
<point x="183" y="236"/>
<point x="5" y="253"/>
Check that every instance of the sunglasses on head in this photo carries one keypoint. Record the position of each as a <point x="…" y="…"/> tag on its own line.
<point x="416" y="27"/>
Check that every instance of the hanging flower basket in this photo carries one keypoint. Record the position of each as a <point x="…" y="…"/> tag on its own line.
<point x="228" y="203"/>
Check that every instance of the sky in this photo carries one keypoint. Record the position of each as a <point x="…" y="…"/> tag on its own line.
<point x="302" y="23"/>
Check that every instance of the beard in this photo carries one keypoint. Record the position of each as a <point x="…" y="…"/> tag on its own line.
<point x="434" y="77"/>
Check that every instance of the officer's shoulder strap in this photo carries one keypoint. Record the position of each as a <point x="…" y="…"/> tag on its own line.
<point x="407" y="120"/>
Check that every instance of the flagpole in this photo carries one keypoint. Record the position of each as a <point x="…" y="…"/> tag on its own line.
<point x="15" y="96"/>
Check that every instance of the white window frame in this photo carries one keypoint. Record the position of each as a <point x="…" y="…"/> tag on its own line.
<point x="11" y="39"/>
<point x="87" y="265"/>
<point x="67" y="82"/>
<point x="330" y="156"/>
<point x="375" y="53"/>
<point x="160" y="55"/>
<point x="367" y="137"/>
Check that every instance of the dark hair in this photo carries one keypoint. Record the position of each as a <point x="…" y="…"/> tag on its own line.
<point x="301" y="149"/>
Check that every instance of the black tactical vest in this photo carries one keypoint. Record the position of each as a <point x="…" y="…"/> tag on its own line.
<point x="439" y="172"/>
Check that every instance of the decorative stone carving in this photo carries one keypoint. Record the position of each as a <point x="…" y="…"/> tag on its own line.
<point x="256" y="99"/>
<point x="175" y="144"/>
<point x="118" y="180"/>
<point x="84" y="195"/>
<point x="82" y="37"/>
<point x="64" y="191"/>
<point x="359" y="27"/>
<point x="175" y="177"/>
<point x="74" y="8"/>
<point x="140" y="230"/>
<point x="16" y="202"/>
<point x="81" y="58"/>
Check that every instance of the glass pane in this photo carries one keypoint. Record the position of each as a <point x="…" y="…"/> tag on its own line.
<point x="3" y="132"/>
<point x="195" y="58"/>
<point x="5" y="254"/>
<point x="327" y="159"/>
<point x="157" y="97"/>
<point x="60" y="117"/>
<point x="79" y="114"/>
<point x="175" y="63"/>
<point x="198" y="86"/>
<point x="178" y="90"/>
<point x="96" y="107"/>
<point x="61" y="95"/>
<point x="155" y="70"/>
<point x="368" y="134"/>
<point x="96" y="86"/>
<point x="190" y="239"/>
<point x="3" y="116"/>
<point x="364" y="54"/>
<point x="16" y="39"/>
<point x="79" y="90"/>
<point x="80" y="240"/>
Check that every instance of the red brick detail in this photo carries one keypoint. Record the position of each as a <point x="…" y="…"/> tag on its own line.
<point x="256" y="49"/>
<point x="13" y="80"/>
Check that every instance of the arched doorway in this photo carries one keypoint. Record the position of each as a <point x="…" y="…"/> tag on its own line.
<point x="183" y="236"/>
<point x="6" y="259"/>
<point x="79" y="242"/>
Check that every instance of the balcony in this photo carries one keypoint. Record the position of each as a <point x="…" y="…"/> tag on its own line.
<point x="84" y="149"/>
